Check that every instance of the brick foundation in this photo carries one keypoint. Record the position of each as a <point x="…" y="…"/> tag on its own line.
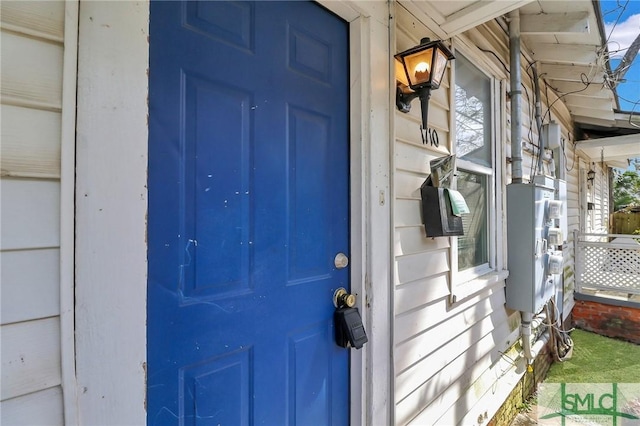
<point x="524" y="389"/>
<point x="608" y="319"/>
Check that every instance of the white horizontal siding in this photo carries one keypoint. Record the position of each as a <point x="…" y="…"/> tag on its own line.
<point x="44" y="19"/>
<point x="414" y="157"/>
<point x="408" y="184"/>
<point x="411" y="240"/>
<point x="420" y="332"/>
<point x="408" y="212"/>
<point x="408" y="125"/>
<point x="419" y="293"/>
<point x="30" y="214"/>
<point x="480" y="398"/>
<point x="31" y="98"/>
<point x="30" y="142"/>
<point x="416" y="377"/>
<point x="456" y="373"/>
<point x="419" y="266"/>
<point x="31" y="72"/>
<point x="43" y="408"/>
<point x="32" y="283"/>
<point x="30" y="357"/>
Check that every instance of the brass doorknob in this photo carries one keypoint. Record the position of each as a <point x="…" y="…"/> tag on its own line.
<point x="342" y="298"/>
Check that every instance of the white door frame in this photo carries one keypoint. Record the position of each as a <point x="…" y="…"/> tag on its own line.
<point x="371" y="235"/>
<point x="111" y="209"/>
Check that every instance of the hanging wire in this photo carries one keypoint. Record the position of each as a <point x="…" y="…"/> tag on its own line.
<point x="617" y="18"/>
<point x="498" y="58"/>
<point x="564" y="153"/>
<point x="620" y="49"/>
<point x="561" y="342"/>
<point x="530" y="113"/>
<point x="635" y="105"/>
<point x="611" y="11"/>
<point x="584" y="79"/>
<point x="612" y="79"/>
<point x="536" y="154"/>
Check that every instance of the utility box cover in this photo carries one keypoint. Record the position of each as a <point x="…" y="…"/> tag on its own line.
<point x="561" y="194"/>
<point x="528" y="285"/>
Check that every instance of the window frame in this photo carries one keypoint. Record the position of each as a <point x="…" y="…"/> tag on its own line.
<point x="475" y="279"/>
<point x="489" y="266"/>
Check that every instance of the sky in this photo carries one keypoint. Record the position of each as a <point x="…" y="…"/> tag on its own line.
<point x="622" y="26"/>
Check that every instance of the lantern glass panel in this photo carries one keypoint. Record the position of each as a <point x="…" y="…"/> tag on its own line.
<point x="419" y="67"/>
<point x="439" y="68"/>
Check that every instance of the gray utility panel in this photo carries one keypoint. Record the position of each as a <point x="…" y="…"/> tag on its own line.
<point x="529" y="285"/>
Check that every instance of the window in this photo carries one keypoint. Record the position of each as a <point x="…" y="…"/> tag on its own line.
<point x="474" y="149"/>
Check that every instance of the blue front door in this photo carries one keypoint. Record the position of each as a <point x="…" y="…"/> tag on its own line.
<point x="248" y="207"/>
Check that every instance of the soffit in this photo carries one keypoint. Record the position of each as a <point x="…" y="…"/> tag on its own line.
<point x="570" y="56"/>
<point x="614" y="151"/>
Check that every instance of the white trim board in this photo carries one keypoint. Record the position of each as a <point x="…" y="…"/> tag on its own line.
<point x="67" y="212"/>
<point x="111" y="209"/>
<point x="371" y="375"/>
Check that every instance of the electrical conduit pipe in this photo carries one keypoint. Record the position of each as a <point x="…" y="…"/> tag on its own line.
<point x="516" y="163"/>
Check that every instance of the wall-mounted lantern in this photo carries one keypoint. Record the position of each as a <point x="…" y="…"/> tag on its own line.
<point x="591" y="175"/>
<point x="424" y="66"/>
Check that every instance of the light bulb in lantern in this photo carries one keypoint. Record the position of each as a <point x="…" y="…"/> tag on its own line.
<point x="422" y="71"/>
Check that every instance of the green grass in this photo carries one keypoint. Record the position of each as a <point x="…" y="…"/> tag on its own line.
<point x="598" y="359"/>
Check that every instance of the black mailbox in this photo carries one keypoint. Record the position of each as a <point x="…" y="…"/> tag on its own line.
<point x="438" y="217"/>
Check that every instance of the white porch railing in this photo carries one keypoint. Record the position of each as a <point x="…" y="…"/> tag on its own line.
<point x="607" y="262"/>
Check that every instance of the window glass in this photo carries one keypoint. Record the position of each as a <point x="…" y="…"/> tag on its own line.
<point x="473" y="246"/>
<point x="473" y="113"/>
<point x="473" y="107"/>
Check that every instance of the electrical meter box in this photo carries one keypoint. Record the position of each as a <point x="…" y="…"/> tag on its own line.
<point x="530" y="212"/>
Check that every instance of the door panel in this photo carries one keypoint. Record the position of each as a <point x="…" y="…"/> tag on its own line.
<point x="248" y="205"/>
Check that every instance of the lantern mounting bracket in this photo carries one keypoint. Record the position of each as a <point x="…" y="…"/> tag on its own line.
<point x="404" y="96"/>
